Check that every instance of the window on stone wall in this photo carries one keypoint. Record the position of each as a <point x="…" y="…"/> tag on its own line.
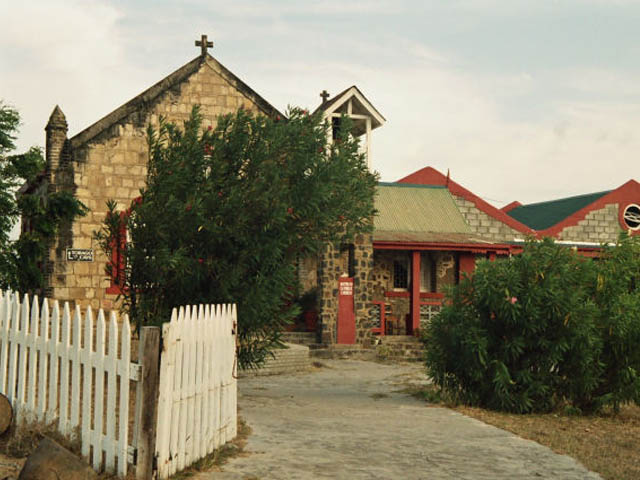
<point x="427" y="272"/>
<point x="401" y="272"/>
<point x="348" y="252"/>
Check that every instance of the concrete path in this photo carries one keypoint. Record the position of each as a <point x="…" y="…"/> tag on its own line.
<point x="348" y="420"/>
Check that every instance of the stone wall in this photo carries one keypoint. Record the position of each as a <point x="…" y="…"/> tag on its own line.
<point x="597" y="226"/>
<point x="113" y="165"/>
<point x="333" y="264"/>
<point x="483" y="224"/>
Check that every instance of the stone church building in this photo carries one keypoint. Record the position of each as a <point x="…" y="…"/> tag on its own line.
<point x="429" y="230"/>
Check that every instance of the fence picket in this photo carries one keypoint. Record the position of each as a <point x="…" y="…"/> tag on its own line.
<point x="165" y="397"/>
<point x="86" y="355"/>
<point x="13" y="351"/>
<point x="42" y="340"/>
<point x="5" y="318"/>
<point x="74" y="415"/>
<point x="32" y="339"/>
<point x="123" y="371"/>
<point x="98" y="398"/>
<point x="21" y="380"/>
<point x="52" y="404"/>
<point x="111" y="368"/>
<point x="65" y="347"/>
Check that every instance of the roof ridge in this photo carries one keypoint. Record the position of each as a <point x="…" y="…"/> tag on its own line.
<point x="410" y="185"/>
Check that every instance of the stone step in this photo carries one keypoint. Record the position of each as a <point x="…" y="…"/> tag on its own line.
<point x="399" y="339"/>
<point x="342" y="352"/>
<point x="294" y="358"/>
<point x="300" y="338"/>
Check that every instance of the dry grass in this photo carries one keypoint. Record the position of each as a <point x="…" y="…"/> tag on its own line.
<point x="21" y="442"/>
<point x="605" y="443"/>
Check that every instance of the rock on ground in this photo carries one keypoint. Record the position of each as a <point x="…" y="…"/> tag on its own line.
<point x="51" y="461"/>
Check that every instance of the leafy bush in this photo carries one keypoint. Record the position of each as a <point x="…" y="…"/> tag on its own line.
<point x="616" y="291"/>
<point x="518" y="335"/>
<point x="542" y="328"/>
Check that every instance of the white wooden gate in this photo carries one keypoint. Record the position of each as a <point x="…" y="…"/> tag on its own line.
<point x="197" y="409"/>
<point x="54" y="371"/>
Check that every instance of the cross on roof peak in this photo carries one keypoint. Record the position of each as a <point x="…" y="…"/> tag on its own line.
<point x="325" y="95"/>
<point x="204" y="45"/>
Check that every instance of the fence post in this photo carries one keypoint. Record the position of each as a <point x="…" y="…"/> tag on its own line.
<point x="147" y="401"/>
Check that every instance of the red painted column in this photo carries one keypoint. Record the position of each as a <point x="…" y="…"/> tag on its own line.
<point x="415" y="293"/>
<point x="467" y="263"/>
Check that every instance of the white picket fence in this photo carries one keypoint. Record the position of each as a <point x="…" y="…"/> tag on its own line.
<point x="50" y="375"/>
<point x="197" y="410"/>
<point x="53" y="370"/>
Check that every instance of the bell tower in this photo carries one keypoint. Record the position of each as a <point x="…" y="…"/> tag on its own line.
<point x="352" y="103"/>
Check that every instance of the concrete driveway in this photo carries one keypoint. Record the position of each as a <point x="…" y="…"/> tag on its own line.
<point x="348" y="420"/>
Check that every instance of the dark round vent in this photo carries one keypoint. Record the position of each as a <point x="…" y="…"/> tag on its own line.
<point x="631" y="217"/>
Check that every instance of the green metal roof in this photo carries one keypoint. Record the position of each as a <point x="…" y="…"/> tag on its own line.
<point x="543" y="215"/>
<point x="416" y="209"/>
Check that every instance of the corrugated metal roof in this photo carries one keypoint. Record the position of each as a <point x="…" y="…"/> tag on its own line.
<point x="543" y="215"/>
<point x="417" y="208"/>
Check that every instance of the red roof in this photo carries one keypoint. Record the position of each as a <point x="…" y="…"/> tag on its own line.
<point x="431" y="176"/>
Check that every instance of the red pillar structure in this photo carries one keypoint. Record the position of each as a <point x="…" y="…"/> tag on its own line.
<point x="467" y="263"/>
<point x="414" y="322"/>
<point x="346" y="314"/>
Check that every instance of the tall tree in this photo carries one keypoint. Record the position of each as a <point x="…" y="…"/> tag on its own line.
<point x="225" y="213"/>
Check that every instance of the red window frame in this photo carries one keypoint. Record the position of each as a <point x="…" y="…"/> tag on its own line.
<point x="118" y="260"/>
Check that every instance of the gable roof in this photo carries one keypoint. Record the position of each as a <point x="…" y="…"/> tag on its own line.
<point x="543" y="215"/>
<point x="152" y="94"/>
<point x="363" y="106"/>
<point x="419" y="214"/>
<point x="431" y="176"/>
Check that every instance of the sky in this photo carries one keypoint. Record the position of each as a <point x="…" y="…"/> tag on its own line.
<point x="520" y="100"/>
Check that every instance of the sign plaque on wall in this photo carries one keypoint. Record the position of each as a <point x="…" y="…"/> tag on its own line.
<point x="79" y="255"/>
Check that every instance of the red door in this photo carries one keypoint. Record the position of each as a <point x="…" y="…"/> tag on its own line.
<point x="346" y="314"/>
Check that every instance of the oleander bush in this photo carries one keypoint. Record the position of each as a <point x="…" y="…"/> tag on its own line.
<point x="542" y="329"/>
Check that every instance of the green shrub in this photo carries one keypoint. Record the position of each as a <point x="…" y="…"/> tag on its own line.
<point x="615" y="290"/>
<point x="520" y="335"/>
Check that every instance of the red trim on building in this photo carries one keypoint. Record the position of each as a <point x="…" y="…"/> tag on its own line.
<point x="430" y="176"/>
<point x="414" y="319"/>
<point x="391" y="293"/>
<point x="117" y="252"/>
<point x="499" y="248"/>
<point x="511" y="206"/>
